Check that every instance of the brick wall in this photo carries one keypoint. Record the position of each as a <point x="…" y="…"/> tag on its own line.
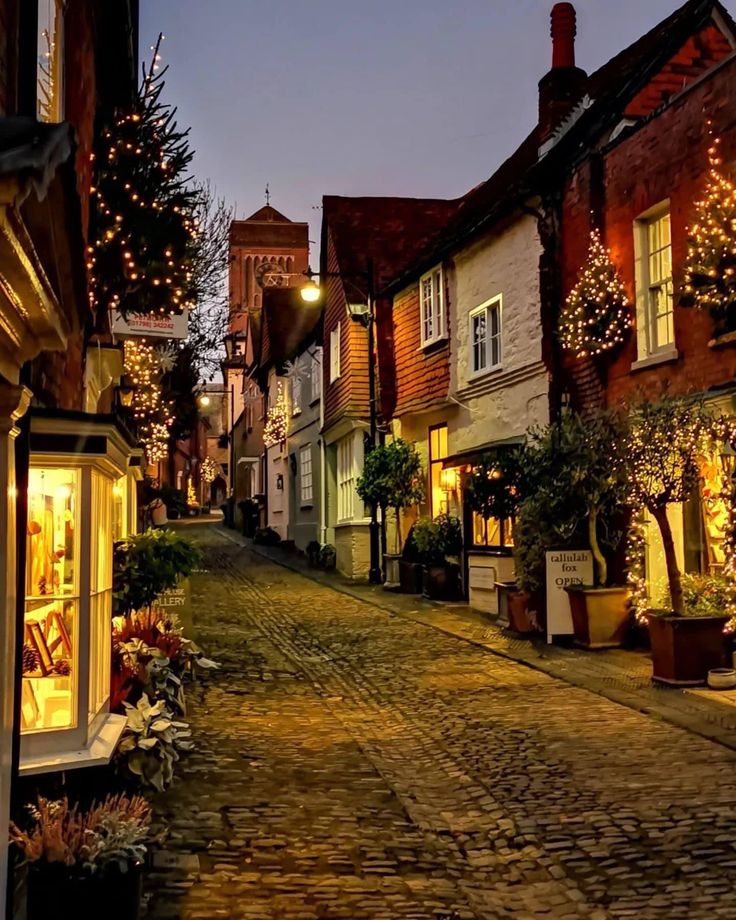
<point x="81" y="92"/>
<point x="664" y="159"/>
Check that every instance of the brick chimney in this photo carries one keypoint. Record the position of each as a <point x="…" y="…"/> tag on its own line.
<point x="564" y="85"/>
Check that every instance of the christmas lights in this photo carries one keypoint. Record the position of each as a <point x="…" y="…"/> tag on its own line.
<point x="209" y="470"/>
<point x="150" y="410"/>
<point x="275" y="428"/>
<point x="710" y="266"/>
<point x="597" y="315"/>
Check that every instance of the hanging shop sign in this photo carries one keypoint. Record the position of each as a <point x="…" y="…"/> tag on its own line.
<point x="565" y="568"/>
<point x="151" y="325"/>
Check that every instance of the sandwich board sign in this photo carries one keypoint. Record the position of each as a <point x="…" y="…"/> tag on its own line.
<point x="151" y="325"/>
<point x="564" y="568"/>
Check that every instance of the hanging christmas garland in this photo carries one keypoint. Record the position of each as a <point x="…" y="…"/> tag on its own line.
<point x="274" y="431"/>
<point x="150" y="410"/>
<point x="597" y="314"/>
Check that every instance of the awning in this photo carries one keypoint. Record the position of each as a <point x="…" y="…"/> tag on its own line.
<point x="475" y="454"/>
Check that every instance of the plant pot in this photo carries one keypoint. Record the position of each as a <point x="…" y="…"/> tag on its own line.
<point x="684" y="649"/>
<point x="442" y="582"/>
<point x="722" y="679"/>
<point x="411" y="577"/>
<point x="504" y="591"/>
<point x="391" y="577"/>
<point x="600" y="616"/>
<point x="520" y="617"/>
<point x="57" y="891"/>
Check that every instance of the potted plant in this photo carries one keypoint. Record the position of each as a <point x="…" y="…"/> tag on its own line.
<point x="592" y="468"/>
<point x="85" y="864"/>
<point x="531" y="540"/>
<point x="495" y="491"/>
<point x="411" y="570"/>
<point x="147" y="564"/>
<point x="665" y="444"/>
<point x="439" y="542"/>
<point x="392" y="480"/>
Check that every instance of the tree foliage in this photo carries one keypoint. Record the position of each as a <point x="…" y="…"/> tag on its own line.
<point x="147" y="564"/>
<point x="392" y="478"/>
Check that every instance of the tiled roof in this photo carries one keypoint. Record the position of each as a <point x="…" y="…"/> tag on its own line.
<point x="391" y="231"/>
<point x="268" y="214"/>
<point x="609" y="89"/>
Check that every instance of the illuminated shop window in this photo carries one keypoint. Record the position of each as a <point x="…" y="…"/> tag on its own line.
<point x="50" y="641"/>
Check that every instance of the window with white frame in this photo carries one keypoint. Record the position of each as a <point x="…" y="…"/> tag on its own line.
<point x="296" y="392"/>
<point x="345" y="479"/>
<point x="316" y="375"/>
<point x="335" y="353"/>
<point x="50" y="61"/>
<point x="432" y="307"/>
<point x="305" y="468"/>
<point x="654" y="293"/>
<point x="485" y="337"/>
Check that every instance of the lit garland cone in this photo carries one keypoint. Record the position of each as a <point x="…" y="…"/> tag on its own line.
<point x="710" y="268"/>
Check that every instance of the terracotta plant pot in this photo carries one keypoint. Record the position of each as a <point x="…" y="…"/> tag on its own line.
<point x="57" y="891"/>
<point x="411" y="577"/>
<point x="442" y="582"/>
<point x="684" y="649"/>
<point x="391" y="576"/>
<point x="600" y="616"/>
<point x="521" y="619"/>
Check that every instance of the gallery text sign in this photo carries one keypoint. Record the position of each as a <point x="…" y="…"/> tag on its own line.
<point x="565" y="568"/>
<point x="151" y="325"/>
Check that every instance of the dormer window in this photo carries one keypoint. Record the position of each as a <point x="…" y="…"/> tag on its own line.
<point x="432" y="307"/>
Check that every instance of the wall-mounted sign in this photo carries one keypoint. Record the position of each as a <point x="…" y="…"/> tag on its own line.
<point x="565" y="568"/>
<point x="151" y="325"/>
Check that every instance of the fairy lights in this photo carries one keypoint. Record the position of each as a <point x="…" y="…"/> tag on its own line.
<point x="209" y="470"/>
<point x="597" y="315"/>
<point x="710" y="266"/>
<point x="275" y="428"/>
<point x="150" y="410"/>
<point x="144" y="227"/>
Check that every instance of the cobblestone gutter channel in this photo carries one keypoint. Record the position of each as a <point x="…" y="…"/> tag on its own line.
<point x="353" y="764"/>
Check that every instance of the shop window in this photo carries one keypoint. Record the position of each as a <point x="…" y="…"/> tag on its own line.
<point x="654" y="293"/>
<point x="439" y="497"/>
<point x="50" y="61"/>
<point x="492" y="533"/>
<point x="52" y="595"/>
<point x="432" y="307"/>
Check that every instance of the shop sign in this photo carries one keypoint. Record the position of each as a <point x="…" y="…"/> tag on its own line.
<point x="565" y="568"/>
<point x="151" y="325"/>
<point x="178" y="600"/>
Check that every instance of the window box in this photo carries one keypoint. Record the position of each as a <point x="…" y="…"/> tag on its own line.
<point x="76" y="463"/>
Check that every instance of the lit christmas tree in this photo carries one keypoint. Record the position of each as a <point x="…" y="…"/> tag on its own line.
<point x="143" y="224"/>
<point x="710" y="268"/>
<point x="597" y="315"/>
<point x="274" y="431"/>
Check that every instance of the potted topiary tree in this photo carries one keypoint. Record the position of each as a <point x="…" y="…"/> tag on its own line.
<point x="495" y="491"/>
<point x="392" y="480"/>
<point x="440" y="542"/>
<point x="593" y="466"/>
<point x="665" y="444"/>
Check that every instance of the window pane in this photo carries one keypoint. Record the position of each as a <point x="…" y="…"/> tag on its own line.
<point x="100" y="651"/>
<point x="50" y="666"/>
<point x="52" y="535"/>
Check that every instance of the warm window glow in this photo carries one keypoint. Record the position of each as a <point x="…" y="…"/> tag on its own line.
<point x="491" y="532"/>
<point x="439" y="496"/>
<point x="50" y="662"/>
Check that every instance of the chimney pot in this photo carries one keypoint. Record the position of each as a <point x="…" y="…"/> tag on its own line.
<point x="564" y="29"/>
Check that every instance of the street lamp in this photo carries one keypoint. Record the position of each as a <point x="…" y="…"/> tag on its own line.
<point x="203" y="401"/>
<point x="361" y="311"/>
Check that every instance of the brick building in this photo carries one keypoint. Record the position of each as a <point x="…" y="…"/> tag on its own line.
<point x="266" y="250"/>
<point x="387" y="233"/>
<point x="65" y="462"/>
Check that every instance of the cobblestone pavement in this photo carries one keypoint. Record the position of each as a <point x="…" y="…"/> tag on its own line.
<point x="354" y="764"/>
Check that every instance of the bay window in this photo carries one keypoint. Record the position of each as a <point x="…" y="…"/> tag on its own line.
<point x="77" y="463"/>
<point x="346" y="479"/>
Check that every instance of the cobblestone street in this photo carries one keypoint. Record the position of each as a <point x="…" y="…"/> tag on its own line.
<point x="354" y="764"/>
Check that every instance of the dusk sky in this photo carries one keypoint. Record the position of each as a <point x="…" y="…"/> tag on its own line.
<point x="386" y="97"/>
